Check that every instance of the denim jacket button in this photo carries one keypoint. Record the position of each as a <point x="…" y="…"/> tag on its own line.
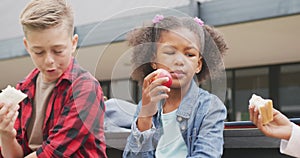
<point x="179" y="118"/>
<point x="183" y="127"/>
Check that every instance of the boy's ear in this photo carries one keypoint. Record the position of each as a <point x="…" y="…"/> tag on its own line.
<point x="74" y="42"/>
<point x="25" y="44"/>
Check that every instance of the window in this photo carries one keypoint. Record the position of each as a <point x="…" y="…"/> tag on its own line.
<point x="229" y="96"/>
<point x="247" y="82"/>
<point x="281" y="83"/>
<point x="289" y="90"/>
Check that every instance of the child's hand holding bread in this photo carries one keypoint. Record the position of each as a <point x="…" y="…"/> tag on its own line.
<point x="269" y="120"/>
<point x="9" y="100"/>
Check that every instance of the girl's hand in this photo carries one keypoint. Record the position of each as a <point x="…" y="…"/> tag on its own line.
<point x="280" y="127"/>
<point x="8" y="116"/>
<point x="153" y="91"/>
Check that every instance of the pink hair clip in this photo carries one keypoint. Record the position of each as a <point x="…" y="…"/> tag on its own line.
<point x="199" y="21"/>
<point x="157" y="18"/>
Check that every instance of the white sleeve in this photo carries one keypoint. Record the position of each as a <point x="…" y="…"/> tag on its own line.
<point x="291" y="147"/>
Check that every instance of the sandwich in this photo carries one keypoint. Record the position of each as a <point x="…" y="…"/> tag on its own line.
<point x="11" y="95"/>
<point x="264" y="106"/>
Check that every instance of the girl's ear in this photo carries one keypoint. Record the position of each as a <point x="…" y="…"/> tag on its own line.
<point x="199" y="66"/>
<point x="153" y="65"/>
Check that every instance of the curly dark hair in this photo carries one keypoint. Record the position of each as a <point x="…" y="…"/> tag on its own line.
<point x="143" y="40"/>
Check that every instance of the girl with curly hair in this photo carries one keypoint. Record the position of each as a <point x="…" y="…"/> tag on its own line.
<point x="182" y="120"/>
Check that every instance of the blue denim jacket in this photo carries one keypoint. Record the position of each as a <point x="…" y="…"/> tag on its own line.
<point x="201" y="118"/>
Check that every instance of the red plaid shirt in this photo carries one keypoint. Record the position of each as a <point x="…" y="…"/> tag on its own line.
<point x="73" y="125"/>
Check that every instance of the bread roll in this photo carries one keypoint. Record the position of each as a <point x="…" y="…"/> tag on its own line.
<point x="264" y="106"/>
<point x="11" y="95"/>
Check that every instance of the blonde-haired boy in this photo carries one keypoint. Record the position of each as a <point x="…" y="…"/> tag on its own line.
<point x="64" y="111"/>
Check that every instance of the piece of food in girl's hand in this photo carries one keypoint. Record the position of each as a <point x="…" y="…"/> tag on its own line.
<point x="163" y="73"/>
<point x="11" y="95"/>
<point x="264" y="106"/>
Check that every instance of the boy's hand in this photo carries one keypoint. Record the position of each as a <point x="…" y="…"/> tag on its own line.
<point x="8" y="116"/>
